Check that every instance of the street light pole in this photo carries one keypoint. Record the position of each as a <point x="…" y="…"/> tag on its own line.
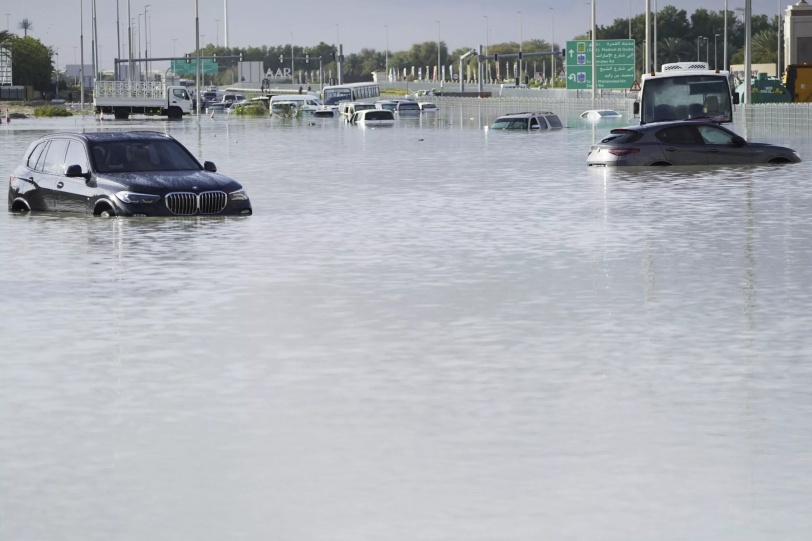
<point x="217" y="32"/>
<point x="82" y="53"/>
<point x="291" y="58"/>
<point x="552" y="46"/>
<point x="438" y="55"/>
<point x="56" y="90"/>
<point x="707" y="50"/>
<point x="521" y="38"/>
<point x="715" y="59"/>
<point x="146" y="39"/>
<point x="724" y="39"/>
<point x="487" y="44"/>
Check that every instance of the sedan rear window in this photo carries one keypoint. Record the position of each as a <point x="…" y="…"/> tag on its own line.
<point x="130" y="156"/>
<point x="623" y="136"/>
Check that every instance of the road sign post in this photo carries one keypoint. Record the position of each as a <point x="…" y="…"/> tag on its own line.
<point x="614" y="60"/>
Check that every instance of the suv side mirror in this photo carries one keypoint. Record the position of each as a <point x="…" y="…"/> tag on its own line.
<point x="75" y="171"/>
<point x="210" y="167"/>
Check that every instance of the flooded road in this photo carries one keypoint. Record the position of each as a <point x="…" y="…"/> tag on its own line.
<point x="425" y="332"/>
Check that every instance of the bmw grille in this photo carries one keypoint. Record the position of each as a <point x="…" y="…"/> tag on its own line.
<point x="187" y="203"/>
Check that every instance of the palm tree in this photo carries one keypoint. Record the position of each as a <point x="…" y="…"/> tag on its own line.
<point x="674" y="50"/>
<point x="765" y="45"/>
<point x="5" y="35"/>
<point x="25" y="25"/>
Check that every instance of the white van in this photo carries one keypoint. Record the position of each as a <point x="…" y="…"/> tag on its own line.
<point x="303" y="102"/>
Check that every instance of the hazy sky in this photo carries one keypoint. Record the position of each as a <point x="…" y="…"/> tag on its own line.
<point x="357" y="23"/>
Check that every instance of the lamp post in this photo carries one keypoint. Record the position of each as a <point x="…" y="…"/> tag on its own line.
<point x="552" y="47"/>
<point x="82" y="53"/>
<point x="698" y="42"/>
<point x="291" y="58"/>
<point x="520" y="46"/>
<point x="630" y="19"/>
<point x="487" y="44"/>
<point x="778" y="46"/>
<point x="146" y="39"/>
<point x="707" y="50"/>
<point x="225" y="23"/>
<point x="715" y="59"/>
<point x="174" y="43"/>
<point x="7" y="16"/>
<point x="56" y="90"/>
<point x="438" y="55"/>
<point x="217" y="32"/>
<point x="386" y="52"/>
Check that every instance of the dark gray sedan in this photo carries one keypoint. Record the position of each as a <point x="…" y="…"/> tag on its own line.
<point x="688" y="142"/>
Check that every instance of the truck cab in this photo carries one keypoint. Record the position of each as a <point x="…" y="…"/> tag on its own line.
<point x="685" y="90"/>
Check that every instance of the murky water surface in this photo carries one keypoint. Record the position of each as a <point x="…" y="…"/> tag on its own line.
<point x="427" y="332"/>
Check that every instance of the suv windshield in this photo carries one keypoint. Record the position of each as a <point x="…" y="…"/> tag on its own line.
<point x="144" y="155"/>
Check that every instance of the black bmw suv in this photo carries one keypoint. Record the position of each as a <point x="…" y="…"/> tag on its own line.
<point x="134" y="173"/>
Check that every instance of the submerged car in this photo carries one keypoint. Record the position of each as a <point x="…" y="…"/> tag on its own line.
<point x="134" y="173"/>
<point x="373" y="117"/>
<point x="601" y="114"/>
<point x="528" y="121"/>
<point x="688" y="142"/>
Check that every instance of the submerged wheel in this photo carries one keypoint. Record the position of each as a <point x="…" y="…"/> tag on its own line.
<point x="105" y="211"/>
<point x="175" y="113"/>
<point x="777" y="161"/>
<point x="660" y="164"/>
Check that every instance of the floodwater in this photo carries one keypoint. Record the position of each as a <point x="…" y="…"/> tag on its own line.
<point x="425" y="332"/>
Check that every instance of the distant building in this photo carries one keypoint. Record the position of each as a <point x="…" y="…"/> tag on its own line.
<point x="73" y="73"/>
<point x="798" y="33"/>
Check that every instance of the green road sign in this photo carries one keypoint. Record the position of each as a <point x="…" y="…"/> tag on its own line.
<point x="614" y="60"/>
<point x="207" y="67"/>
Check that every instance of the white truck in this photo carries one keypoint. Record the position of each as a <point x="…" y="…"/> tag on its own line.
<point x="686" y="90"/>
<point x="123" y="98"/>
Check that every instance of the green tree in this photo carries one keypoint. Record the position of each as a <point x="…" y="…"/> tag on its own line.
<point x="5" y="36"/>
<point x="31" y="63"/>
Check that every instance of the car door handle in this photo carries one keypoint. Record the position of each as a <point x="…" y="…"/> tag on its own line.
<point x="60" y="184"/>
<point x="670" y="149"/>
<point x="714" y="150"/>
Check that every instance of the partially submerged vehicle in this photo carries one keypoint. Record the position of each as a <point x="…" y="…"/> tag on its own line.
<point x="373" y="117"/>
<point x="544" y="120"/>
<point x="683" y="142"/>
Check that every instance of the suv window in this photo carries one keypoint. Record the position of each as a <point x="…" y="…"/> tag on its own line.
<point x="34" y="156"/>
<point x="76" y="155"/>
<point x="55" y="157"/>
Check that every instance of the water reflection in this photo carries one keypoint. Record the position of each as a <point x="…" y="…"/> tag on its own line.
<point x="426" y="317"/>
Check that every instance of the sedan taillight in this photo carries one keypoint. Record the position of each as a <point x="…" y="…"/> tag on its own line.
<point x="623" y="151"/>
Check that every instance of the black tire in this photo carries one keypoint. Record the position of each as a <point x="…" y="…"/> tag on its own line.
<point x="121" y="115"/>
<point x="175" y="113"/>
<point x="106" y="212"/>
<point x="778" y="161"/>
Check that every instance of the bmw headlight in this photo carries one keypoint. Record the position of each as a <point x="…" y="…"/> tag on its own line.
<point x="137" y="198"/>
<point x="239" y="195"/>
